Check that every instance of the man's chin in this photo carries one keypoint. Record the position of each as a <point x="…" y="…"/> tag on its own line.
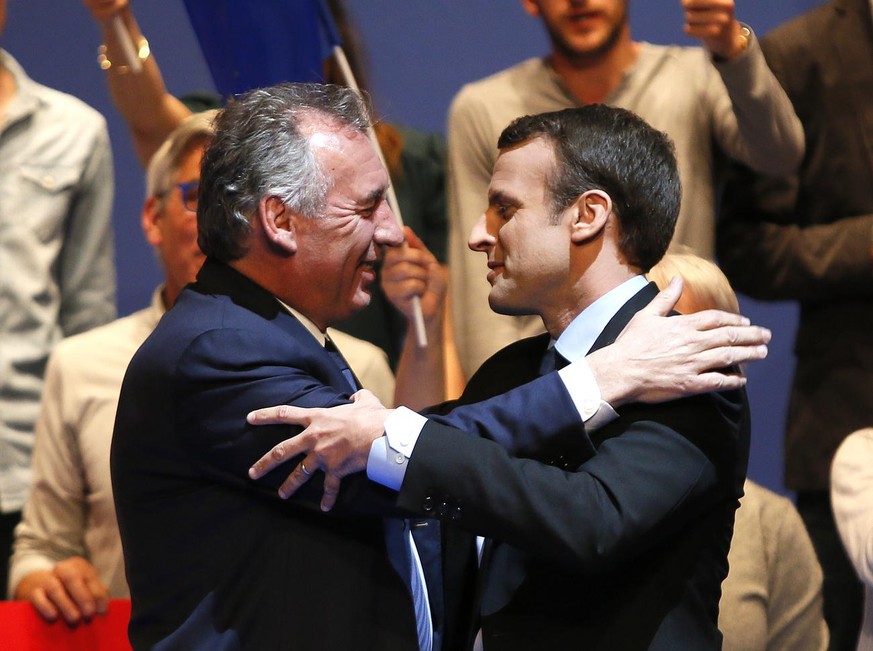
<point x="500" y="305"/>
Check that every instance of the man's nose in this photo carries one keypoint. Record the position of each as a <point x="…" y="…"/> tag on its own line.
<point x="480" y="239"/>
<point x="388" y="231"/>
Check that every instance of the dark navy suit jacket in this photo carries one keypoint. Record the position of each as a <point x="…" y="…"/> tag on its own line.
<point x="217" y="561"/>
<point x="619" y="540"/>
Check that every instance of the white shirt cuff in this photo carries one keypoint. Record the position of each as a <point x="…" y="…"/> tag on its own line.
<point x="585" y="393"/>
<point x="389" y="454"/>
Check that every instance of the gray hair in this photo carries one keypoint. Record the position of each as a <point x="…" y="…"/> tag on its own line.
<point x="261" y="148"/>
<point x="161" y="172"/>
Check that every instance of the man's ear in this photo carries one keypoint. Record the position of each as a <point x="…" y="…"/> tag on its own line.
<point x="277" y="222"/>
<point x="151" y="215"/>
<point x="593" y="209"/>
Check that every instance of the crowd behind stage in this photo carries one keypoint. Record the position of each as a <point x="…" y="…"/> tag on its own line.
<point x="771" y="136"/>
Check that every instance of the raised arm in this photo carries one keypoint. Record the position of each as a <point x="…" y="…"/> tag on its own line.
<point x="150" y="112"/>
<point x="754" y="122"/>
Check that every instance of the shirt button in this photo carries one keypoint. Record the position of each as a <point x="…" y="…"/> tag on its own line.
<point x="399" y="459"/>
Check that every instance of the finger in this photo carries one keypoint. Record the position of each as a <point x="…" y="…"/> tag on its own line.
<point x="81" y="595"/>
<point x="366" y="398"/>
<point x="278" y="415"/>
<point x="734" y="335"/>
<point x="100" y="594"/>
<point x="714" y="319"/>
<point x="728" y="356"/>
<point x="59" y="597"/>
<point x="331" y="491"/>
<point x="715" y="382"/>
<point x="666" y="299"/>
<point x="299" y="476"/>
<point x="43" y="605"/>
<point x="413" y="240"/>
<point x="279" y="454"/>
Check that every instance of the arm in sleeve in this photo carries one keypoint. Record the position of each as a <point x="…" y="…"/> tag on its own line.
<point x="86" y="273"/>
<point x="53" y="523"/>
<point x="768" y="256"/>
<point x="852" y="497"/>
<point x="215" y="394"/>
<point x="571" y="396"/>
<point x="755" y="122"/>
<point x="587" y="518"/>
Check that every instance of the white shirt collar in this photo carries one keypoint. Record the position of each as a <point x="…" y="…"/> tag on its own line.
<point x="575" y="342"/>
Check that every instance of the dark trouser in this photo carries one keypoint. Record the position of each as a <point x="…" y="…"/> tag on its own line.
<point x="7" y="527"/>
<point x="843" y="592"/>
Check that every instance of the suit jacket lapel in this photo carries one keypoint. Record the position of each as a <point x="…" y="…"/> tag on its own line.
<point x="618" y="322"/>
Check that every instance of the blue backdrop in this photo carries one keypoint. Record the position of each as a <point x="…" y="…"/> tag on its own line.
<point x="418" y="53"/>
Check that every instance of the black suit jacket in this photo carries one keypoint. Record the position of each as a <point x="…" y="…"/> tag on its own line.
<point x="620" y="540"/>
<point x="217" y="561"/>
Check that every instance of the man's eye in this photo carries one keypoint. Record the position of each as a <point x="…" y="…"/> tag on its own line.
<point x="504" y="212"/>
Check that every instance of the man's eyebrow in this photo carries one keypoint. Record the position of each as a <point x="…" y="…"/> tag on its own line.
<point x="373" y="197"/>
<point x="501" y="197"/>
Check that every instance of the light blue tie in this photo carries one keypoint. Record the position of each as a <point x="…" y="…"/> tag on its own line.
<point x="404" y="558"/>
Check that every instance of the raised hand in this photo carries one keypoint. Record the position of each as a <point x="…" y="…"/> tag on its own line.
<point x="715" y="24"/>
<point x="410" y="271"/>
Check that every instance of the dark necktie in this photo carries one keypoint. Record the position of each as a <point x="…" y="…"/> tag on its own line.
<point x="552" y="361"/>
<point x="397" y="534"/>
<point x="340" y="361"/>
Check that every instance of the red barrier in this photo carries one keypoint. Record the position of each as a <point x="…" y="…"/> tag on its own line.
<point x="22" y="629"/>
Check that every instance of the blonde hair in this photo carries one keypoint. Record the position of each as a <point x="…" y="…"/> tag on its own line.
<point x="706" y="287"/>
<point x="164" y="164"/>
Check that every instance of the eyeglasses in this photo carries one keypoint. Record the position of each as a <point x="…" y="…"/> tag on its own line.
<point x="188" y="193"/>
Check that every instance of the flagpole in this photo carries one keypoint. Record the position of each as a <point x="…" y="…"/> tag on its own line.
<point x="349" y="78"/>
<point x="128" y="55"/>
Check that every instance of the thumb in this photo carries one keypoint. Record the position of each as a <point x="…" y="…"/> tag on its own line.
<point x="666" y="299"/>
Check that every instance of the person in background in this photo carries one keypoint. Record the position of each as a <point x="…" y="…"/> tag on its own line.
<point x="808" y="237"/>
<point x="67" y="553"/>
<point x="772" y="596"/>
<point x="852" y="497"/>
<point x="716" y="102"/>
<point x="58" y="269"/>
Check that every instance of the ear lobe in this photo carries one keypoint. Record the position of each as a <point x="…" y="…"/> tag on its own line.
<point x="593" y="209"/>
<point x="277" y="222"/>
<point x="151" y="214"/>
